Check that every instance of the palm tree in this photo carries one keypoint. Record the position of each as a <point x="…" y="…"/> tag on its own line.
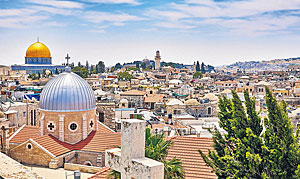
<point x="156" y="148"/>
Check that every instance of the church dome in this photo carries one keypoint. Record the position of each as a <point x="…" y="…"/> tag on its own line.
<point x="38" y="49"/>
<point x="67" y="92"/>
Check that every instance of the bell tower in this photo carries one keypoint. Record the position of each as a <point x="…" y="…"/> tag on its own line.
<point x="157" y="60"/>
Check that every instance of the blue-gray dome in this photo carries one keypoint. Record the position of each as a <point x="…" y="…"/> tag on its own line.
<point x="66" y="93"/>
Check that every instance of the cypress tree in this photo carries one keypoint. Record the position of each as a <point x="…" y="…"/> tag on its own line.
<point x="202" y="68"/>
<point x="281" y="148"/>
<point x="237" y="153"/>
<point x="197" y="66"/>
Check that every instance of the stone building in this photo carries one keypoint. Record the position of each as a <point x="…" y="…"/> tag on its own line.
<point x="135" y="98"/>
<point x="106" y="113"/>
<point x="157" y="60"/>
<point x="68" y="132"/>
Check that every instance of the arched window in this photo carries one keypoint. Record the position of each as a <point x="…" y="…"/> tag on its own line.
<point x="101" y="116"/>
<point x="209" y="110"/>
<point x="88" y="163"/>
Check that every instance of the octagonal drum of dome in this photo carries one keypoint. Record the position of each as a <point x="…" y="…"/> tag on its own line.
<point x="67" y="92"/>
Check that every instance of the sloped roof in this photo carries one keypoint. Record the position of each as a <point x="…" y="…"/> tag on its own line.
<point x="24" y="133"/>
<point x="102" y="128"/>
<point x="155" y="98"/>
<point x="96" y="142"/>
<point x="101" y="174"/>
<point x="133" y="93"/>
<point x="186" y="149"/>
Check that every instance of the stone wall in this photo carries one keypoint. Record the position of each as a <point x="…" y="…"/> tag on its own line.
<point x="35" y="155"/>
<point x="83" y="158"/>
<point x="82" y="168"/>
<point x="83" y="128"/>
<point x="109" y="113"/>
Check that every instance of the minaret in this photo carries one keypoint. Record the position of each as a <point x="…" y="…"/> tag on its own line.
<point x="157" y="60"/>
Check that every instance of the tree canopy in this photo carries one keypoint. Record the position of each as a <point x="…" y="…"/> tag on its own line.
<point x="248" y="151"/>
<point x="197" y="75"/>
<point x="124" y="76"/>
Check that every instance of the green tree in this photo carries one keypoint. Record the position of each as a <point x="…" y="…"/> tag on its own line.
<point x="33" y="76"/>
<point x="118" y="66"/>
<point x="281" y="149"/>
<point x="197" y="75"/>
<point x="197" y="66"/>
<point x="87" y="65"/>
<point x="101" y="67"/>
<point x="132" y="68"/>
<point x="81" y="71"/>
<point x="124" y="76"/>
<point x="202" y="68"/>
<point x="143" y="65"/>
<point x="156" y="148"/>
<point x="244" y="151"/>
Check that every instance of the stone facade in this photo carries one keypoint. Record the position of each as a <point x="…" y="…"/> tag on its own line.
<point x="34" y="155"/>
<point x="27" y="113"/>
<point x="106" y="113"/>
<point x="70" y="127"/>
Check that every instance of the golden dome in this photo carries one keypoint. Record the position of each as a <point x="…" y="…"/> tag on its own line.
<point x="38" y="49"/>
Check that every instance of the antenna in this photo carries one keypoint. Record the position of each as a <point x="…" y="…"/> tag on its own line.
<point x="38" y="39"/>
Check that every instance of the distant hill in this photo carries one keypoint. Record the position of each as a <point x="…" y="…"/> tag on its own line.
<point x="266" y="65"/>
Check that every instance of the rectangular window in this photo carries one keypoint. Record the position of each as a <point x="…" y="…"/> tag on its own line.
<point x="24" y="114"/>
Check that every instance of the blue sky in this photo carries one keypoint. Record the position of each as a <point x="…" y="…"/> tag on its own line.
<point x="216" y="32"/>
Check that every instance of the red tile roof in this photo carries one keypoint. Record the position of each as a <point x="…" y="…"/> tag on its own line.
<point x="133" y="93"/>
<point x="24" y="133"/>
<point x="103" y="128"/>
<point x="101" y="174"/>
<point x="96" y="142"/>
<point x="186" y="149"/>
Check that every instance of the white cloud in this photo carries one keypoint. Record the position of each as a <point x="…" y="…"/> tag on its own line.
<point x="21" y="22"/>
<point x="53" y="10"/>
<point x="59" y="4"/>
<point x="99" y="17"/>
<point x="16" y="12"/>
<point x="133" y="2"/>
<point x="248" y="16"/>
<point x="54" y="24"/>
<point x="175" y="25"/>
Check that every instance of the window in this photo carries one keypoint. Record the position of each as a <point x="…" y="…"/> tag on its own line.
<point x="88" y="163"/>
<point x="101" y="116"/>
<point x="29" y="146"/>
<point x="209" y="111"/>
<point x="51" y="126"/>
<point x="73" y="127"/>
<point x="24" y="114"/>
<point x="91" y="124"/>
